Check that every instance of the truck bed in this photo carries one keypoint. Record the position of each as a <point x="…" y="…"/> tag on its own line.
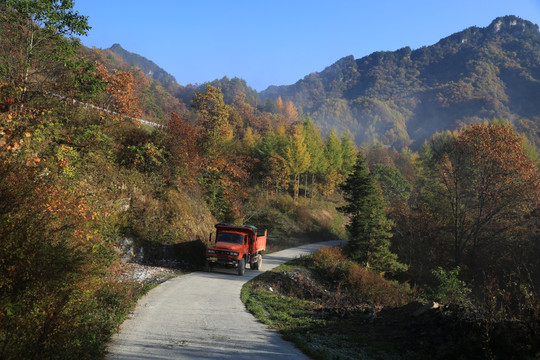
<point x="260" y="243"/>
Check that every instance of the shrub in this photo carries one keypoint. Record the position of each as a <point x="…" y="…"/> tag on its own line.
<point x="369" y="286"/>
<point x="327" y="258"/>
<point x="356" y="283"/>
<point x="451" y="290"/>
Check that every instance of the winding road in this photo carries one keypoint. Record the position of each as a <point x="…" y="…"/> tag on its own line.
<point x="201" y="316"/>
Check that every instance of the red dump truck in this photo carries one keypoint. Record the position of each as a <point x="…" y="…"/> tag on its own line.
<point x="236" y="246"/>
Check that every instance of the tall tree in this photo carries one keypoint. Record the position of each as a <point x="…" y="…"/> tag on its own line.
<point x="290" y="113"/>
<point x="334" y="151"/>
<point x="213" y="120"/>
<point x="332" y="176"/>
<point x="369" y="228"/>
<point x="181" y="145"/>
<point x="279" y="105"/>
<point x="119" y="95"/>
<point x="297" y="157"/>
<point x="487" y="185"/>
<point x="250" y="141"/>
<point x="349" y="153"/>
<point x="315" y="146"/>
<point x="33" y="36"/>
<point x="394" y="186"/>
<point x="277" y="173"/>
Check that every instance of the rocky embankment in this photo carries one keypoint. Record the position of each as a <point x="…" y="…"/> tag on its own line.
<point x="135" y="267"/>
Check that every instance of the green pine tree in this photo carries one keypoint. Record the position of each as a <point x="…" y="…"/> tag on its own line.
<point x="369" y="228"/>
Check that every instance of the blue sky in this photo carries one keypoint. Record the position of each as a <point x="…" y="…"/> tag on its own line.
<point x="278" y="42"/>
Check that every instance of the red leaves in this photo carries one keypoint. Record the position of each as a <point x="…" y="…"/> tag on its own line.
<point x="6" y="106"/>
<point x="490" y="185"/>
<point x="65" y="203"/>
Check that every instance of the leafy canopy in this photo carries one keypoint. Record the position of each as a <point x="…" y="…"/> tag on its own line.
<point x="54" y="15"/>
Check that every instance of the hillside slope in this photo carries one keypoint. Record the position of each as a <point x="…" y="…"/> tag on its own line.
<point x="148" y="67"/>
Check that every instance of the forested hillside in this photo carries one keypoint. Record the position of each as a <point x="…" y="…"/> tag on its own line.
<point x="154" y="101"/>
<point x="148" y="67"/>
<point x="402" y="97"/>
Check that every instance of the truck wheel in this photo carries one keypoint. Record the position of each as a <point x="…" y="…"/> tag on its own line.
<point x="258" y="265"/>
<point x="241" y="266"/>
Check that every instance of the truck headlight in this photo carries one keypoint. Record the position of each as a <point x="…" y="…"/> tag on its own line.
<point x="211" y="251"/>
<point x="233" y="253"/>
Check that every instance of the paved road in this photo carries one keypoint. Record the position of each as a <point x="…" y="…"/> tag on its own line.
<point x="201" y="316"/>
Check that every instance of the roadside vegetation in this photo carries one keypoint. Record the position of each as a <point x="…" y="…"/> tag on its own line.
<point x="332" y="308"/>
<point x="363" y="302"/>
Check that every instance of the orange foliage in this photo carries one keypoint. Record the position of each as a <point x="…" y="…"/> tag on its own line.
<point x="181" y="142"/>
<point x="120" y="96"/>
<point x="501" y="163"/>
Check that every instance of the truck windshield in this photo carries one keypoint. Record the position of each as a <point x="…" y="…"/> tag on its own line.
<point x="230" y="237"/>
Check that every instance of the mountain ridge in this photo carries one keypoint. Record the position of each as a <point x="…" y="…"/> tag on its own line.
<point x="402" y="97"/>
<point x="148" y="67"/>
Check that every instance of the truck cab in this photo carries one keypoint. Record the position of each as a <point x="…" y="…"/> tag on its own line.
<point x="236" y="246"/>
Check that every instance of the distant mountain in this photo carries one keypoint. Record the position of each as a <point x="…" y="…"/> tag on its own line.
<point x="230" y="87"/>
<point x="402" y="97"/>
<point x="148" y="67"/>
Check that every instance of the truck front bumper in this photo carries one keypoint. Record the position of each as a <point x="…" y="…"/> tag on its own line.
<point x="217" y="261"/>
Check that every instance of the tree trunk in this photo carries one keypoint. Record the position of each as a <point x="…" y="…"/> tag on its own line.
<point x="296" y="187"/>
<point x="305" y="186"/>
<point x="29" y="50"/>
<point x="312" y="188"/>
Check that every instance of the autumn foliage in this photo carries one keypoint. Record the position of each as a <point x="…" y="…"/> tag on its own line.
<point x="74" y="180"/>
<point x="119" y="96"/>
<point x="354" y="283"/>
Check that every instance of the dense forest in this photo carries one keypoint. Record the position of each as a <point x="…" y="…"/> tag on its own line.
<point x="78" y="174"/>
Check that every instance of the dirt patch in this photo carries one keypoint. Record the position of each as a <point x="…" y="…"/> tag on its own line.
<point x="299" y="282"/>
<point x="146" y="274"/>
